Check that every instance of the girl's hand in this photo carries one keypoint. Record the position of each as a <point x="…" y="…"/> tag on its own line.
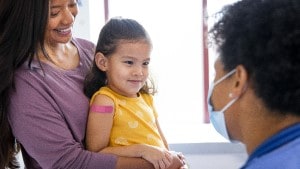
<point x="182" y="159"/>
<point x="159" y="157"/>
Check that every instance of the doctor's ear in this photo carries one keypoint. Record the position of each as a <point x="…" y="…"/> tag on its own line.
<point x="241" y="81"/>
<point x="101" y="61"/>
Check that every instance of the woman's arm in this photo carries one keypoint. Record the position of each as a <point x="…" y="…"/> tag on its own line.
<point x="48" y="118"/>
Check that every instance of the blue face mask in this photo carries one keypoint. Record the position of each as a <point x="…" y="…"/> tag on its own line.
<point x="217" y="117"/>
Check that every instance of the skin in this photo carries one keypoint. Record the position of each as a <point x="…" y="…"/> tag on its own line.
<point x="133" y="163"/>
<point x="248" y="119"/>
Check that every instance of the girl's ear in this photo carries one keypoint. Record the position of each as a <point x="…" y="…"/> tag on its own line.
<point x="101" y="61"/>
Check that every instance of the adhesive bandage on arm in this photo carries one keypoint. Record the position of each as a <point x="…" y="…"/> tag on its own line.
<point x="101" y="109"/>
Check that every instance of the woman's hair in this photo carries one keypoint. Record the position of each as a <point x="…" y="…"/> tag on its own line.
<point x="115" y="32"/>
<point x="23" y="24"/>
<point x="264" y="37"/>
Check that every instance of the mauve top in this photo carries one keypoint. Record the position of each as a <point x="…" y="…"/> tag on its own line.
<point x="48" y="115"/>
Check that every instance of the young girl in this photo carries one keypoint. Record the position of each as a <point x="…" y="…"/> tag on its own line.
<point x="122" y="119"/>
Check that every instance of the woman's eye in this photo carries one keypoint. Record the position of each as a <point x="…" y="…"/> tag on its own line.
<point x="54" y="14"/>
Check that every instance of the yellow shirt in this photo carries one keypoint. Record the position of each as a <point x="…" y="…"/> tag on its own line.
<point x="134" y="120"/>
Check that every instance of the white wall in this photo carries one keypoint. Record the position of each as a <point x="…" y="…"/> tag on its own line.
<point x="89" y="20"/>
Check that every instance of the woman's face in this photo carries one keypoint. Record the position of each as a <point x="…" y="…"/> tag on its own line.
<point x="62" y="14"/>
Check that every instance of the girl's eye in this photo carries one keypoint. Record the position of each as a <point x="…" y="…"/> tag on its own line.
<point x="128" y="62"/>
<point x="146" y="63"/>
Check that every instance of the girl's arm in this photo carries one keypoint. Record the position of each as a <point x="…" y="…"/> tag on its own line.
<point x="99" y="123"/>
<point x="138" y="163"/>
<point x="162" y="135"/>
<point x="180" y="155"/>
<point x="159" y="157"/>
<point x="98" y="134"/>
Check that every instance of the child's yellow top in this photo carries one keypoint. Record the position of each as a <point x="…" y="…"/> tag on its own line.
<point x="134" y="120"/>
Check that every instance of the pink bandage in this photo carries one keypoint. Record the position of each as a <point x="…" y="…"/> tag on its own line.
<point x="101" y="109"/>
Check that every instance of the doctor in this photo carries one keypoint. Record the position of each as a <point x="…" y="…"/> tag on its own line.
<point x="255" y="97"/>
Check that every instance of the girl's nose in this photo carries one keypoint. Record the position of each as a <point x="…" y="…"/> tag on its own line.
<point x="138" y="71"/>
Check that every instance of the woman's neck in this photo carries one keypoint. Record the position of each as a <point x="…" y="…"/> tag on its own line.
<point x="64" y="56"/>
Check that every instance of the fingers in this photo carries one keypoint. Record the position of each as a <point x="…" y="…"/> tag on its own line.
<point x="181" y="158"/>
<point x="160" y="158"/>
<point x="163" y="162"/>
<point x="184" y="167"/>
<point x="156" y="165"/>
<point x="167" y="160"/>
<point x="160" y="164"/>
<point x="180" y="155"/>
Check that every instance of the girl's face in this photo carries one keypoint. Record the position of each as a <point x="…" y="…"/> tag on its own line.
<point x="62" y="14"/>
<point x="127" y="68"/>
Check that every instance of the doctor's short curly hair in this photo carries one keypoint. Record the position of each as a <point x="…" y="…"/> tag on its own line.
<point x="264" y="37"/>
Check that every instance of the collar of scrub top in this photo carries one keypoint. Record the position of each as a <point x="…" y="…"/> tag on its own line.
<point x="283" y="137"/>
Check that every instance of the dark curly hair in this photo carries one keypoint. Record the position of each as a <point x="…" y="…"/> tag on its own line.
<point x="115" y="31"/>
<point x="264" y="37"/>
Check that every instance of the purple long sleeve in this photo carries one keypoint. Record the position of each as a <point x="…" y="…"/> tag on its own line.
<point x="48" y="113"/>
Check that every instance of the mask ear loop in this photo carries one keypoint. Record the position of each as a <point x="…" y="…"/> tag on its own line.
<point x="230" y="94"/>
<point x="229" y="104"/>
<point x="224" y="77"/>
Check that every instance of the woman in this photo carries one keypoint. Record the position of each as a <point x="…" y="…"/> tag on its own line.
<point x="44" y="68"/>
<point x="255" y="97"/>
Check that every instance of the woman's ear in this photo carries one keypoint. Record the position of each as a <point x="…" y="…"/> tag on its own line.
<point x="241" y="81"/>
<point x="101" y="61"/>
